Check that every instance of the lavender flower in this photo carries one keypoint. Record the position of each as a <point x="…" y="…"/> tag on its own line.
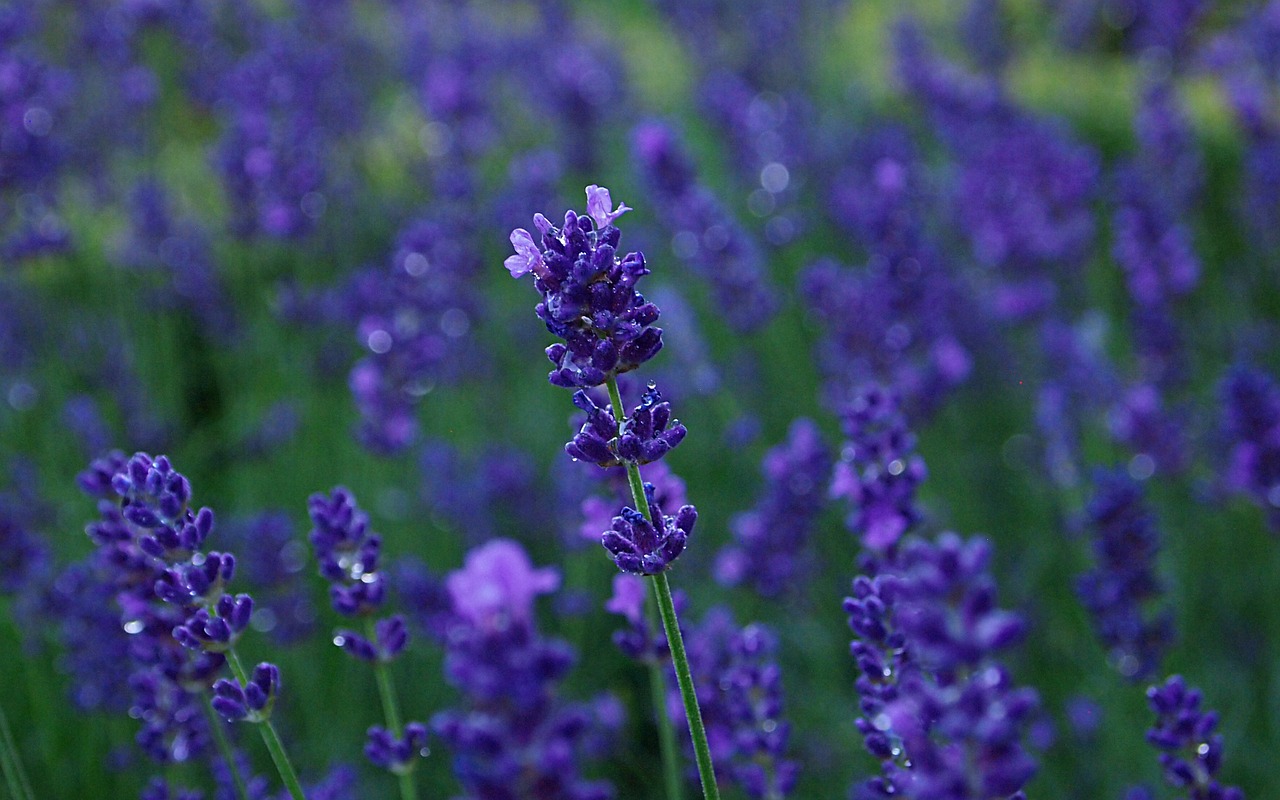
<point x="589" y="296"/>
<point x="511" y="737"/>
<point x="644" y="436"/>
<point x="878" y="471"/>
<point x="642" y="547"/>
<point x="160" y="625"/>
<point x="743" y="709"/>
<point x="1191" y="752"/>
<point x="1251" y="408"/>
<point x="396" y="754"/>
<point x="1121" y="591"/>
<point x="704" y="235"/>
<point x="250" y="701"/>
<point x="939" y="711"/>
<point x="769" y="549"/>
<point x="347" y="553"/>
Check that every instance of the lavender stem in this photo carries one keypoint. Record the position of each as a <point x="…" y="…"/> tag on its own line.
<point x="671" y="625"/>
<point x="391" y="710"/>
<point x="270" y="737"/>
<point x="224" y="748"/>
<point x="11" y="762"/>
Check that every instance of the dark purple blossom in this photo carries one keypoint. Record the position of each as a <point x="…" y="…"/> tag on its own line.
<point x="1251" y="411"/>
<point x="646" y="435"/>
<point x="1121" y="590"/>
<point x="644" y="547"/>
<point x="252" y="701"/>
<point x="396" y="754"/>
<point x="1191" y="753"/>
<point x="347" y="552"/>
<point x="589" y="295"/>
<point x="938" y="710"/>
<point x="770" y="543"/>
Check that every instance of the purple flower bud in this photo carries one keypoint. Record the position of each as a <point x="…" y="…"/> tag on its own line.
<point x="250" y="702"/>
<point x="641" y="547"/>
<point x="397" y="755"/>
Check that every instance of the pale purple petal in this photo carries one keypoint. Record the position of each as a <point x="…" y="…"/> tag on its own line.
<point x="527" y="258"/>
<point x="599" y="203"/>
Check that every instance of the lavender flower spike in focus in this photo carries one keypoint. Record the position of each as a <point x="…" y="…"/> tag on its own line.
<point x="589" y="299"/>
<point x="589" y="296"/>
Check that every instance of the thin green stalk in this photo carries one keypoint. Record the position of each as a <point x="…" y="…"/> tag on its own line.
<point x="224" y="747"/>
<point x="671" y="625"/>
<point x="270" y="737"/>
<point x="701" y="749"/>
<point x="666" y="733"/>
<point x="391" y="710"/>
<point x="11" y="762"/>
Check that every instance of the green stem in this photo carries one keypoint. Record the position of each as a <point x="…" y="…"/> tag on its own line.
<point x="671" y="625"/>
<point x="666" y="733"/>
<point x="224" y="747"/>
<point x="11" y="763"/>
<point x="698" y="733"/>
<point x="270" y="737"/>
<point x="391" y="710"/>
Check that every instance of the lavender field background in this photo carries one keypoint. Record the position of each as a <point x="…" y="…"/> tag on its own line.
<point x="1001" y="268"/>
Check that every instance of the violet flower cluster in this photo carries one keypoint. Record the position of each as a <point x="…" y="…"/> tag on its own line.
<point x="939" y="710"/>
<point x="1251" y="409"/>
<point x="589" y="295"/>
<point x="348" y="554"/>
<point x="742" y="704"/>
<point x="512" y="737"/>
<point x="1191" y="753"/>
<point x="590" y="300"/>
<point x="1121" y="590"/>
<point x="878" y="471"/>
<point x="770" y="549"/>
<point x="175" y="610"/>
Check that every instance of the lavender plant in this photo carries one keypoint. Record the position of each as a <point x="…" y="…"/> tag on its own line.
<point x="590" y="301"/>
<point x="348" y="554"/>
<point x="1191" y="753"/>
<point x="184" y="624"/>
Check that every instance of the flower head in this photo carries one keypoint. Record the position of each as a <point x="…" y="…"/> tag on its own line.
<point x="589" y="295"/>
<point x="644" y="547"/>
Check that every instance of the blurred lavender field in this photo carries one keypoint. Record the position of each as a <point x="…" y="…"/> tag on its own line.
<point x="969" y="310"/>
